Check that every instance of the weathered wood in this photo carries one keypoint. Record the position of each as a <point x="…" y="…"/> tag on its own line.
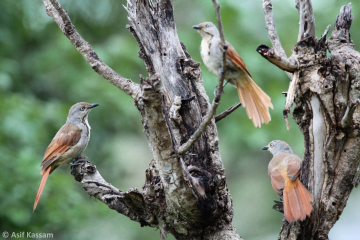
<point x="185" y="192"/>
<point x="198" y="204"/>
<point x="326" y="98"/>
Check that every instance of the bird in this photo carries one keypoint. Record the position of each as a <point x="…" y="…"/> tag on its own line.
<point x="68" y="144"/>
<point x="284" y="171"/>
<point x="255" y="100"/>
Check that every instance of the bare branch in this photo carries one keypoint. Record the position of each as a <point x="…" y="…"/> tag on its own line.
<point x="206" y="120"/>
<point x="270" y="26"/>
<point x="274" y="38"/>
<point x="227" y="112"/>
<point x="60" y="16"/>
<point x="219" y="89"/>
<point x="219" y="22"/>
<point x="307" y="20"/>
<point x="325" y="32"/>
<point x="130" y="203"/>
<point x="286" y="64"/>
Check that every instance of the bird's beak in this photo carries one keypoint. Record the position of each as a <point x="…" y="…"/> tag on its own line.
<point x="197" y="27"/>
<point x="93" y="105"/>
<point x="265" y="148"/>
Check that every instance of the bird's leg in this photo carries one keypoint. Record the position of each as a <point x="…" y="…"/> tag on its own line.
<point x="226" y="83"/>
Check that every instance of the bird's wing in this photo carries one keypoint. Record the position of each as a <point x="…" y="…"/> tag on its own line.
<point x="277" y="180"/>
<point x="66" y="137"/>
<point x="293" y="167"/>
<point x="234" y="57"/>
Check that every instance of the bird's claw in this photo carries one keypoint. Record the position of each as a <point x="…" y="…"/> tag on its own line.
<point x="78" y="161"/>
<point x="279" y="206"/>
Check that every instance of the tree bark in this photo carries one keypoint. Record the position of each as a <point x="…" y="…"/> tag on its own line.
<point x="185" y="191"/>
<point x="326" y="95"/>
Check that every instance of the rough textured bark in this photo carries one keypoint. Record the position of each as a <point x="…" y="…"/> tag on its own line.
<point x="326" y="95"/>
<point x="185" y="191"/>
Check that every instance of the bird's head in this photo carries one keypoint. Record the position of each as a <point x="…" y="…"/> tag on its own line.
<point x="207" y="29"/>
<point x="80" y="110"/>
<point x="278" y="146"/>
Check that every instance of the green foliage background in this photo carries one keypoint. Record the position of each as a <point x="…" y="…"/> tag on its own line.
<point x="42" y="75"/>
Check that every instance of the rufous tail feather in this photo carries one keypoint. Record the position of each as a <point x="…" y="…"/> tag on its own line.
<point x="255" y="101"/>
<point x="297" y="201"/>
<point x="45" y="175"/>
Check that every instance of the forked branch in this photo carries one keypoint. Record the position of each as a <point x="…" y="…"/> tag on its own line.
<point x="275" y="55"/>
<point x="289" y="65"/>
<point x="62" y="19"/>
<point x="270" y="26"/>
<point x="130" y="203"/>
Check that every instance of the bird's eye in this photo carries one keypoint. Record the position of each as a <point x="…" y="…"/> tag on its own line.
<point x="207" y="25"/>
<point x="271" y="145"/>
<point x="82" y="108"/>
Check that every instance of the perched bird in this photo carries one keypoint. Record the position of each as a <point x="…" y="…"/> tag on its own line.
<point x="251" y="96"/>
<point x="284" y="170"/>
<point x="68" y="144"/>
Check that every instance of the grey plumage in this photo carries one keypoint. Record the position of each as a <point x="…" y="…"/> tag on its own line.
<point x="278" y="146"/>
<point x="255" y="101"/>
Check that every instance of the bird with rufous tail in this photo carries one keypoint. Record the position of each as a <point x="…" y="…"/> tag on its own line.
<point x="68" y="144"/>
<point x="255" y="100"/>
<point x="284" y="170"/>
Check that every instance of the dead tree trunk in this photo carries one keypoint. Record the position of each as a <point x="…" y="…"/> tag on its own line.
<point x="185" y="192"/>
<point x="326" y="93"/>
